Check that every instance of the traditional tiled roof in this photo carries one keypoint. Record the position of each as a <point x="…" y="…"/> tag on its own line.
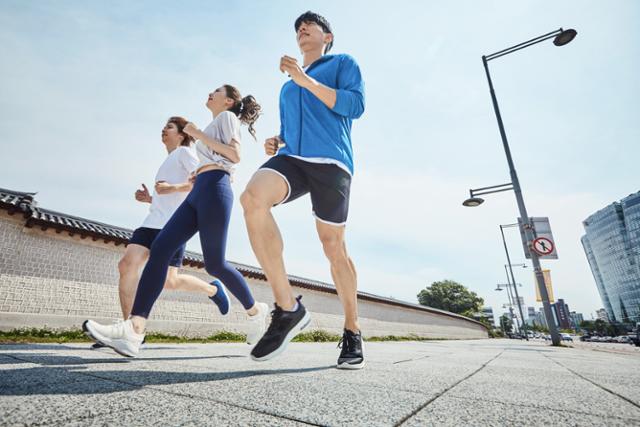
<point x="15" y="202"/>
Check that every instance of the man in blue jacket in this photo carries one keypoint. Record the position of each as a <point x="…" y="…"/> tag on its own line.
<point x="312" y="154"/>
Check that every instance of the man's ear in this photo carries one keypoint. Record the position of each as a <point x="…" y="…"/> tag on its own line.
<point x="328" y="38"/>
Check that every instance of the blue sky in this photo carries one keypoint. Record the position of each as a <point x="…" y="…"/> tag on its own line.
<point x="87" y="86"/>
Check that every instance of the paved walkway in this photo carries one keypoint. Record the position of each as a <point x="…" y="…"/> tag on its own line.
<point x="484" y="382"/>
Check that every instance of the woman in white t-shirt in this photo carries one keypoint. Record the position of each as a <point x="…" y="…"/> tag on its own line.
<point x="207" y="210"/>
<point x="171" y="189"/>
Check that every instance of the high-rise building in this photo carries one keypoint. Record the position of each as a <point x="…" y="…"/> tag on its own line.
<point x="562" y="314"/>
<point x="612" y="245"/>
<point x="576" y="319"/>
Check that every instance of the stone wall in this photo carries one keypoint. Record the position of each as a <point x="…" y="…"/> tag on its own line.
<point x="51" y="279"/>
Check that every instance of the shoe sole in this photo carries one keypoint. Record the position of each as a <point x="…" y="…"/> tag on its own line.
<point x="105" y="341"/>
<point x="350" y="366"/>
<point x="303" y="323"/>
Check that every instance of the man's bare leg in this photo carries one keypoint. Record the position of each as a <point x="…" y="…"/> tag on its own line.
<point x="266" y="189"/>
<point x="343" y="271"/>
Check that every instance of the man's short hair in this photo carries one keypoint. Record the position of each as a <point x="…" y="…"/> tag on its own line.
<point x="309" y="16"/>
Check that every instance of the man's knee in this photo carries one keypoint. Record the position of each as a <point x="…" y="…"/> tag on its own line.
<point x="251" y="201"/>
<point x="334" y="248"/>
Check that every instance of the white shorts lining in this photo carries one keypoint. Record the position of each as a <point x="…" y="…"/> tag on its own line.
<point x="336" y="224"/>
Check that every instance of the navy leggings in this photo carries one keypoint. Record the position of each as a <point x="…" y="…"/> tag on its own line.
<point x="206" y="209"/>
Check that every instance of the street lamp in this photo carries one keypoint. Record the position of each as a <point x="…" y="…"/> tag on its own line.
<point x="560" y="38"/>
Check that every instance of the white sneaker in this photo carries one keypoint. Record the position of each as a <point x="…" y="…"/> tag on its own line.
<point x="120" y="336"/>
<point x="257" y="323"/>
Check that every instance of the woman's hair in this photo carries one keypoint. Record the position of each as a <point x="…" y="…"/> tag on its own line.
<point x="180" y="123"/>
<point x="247" y="109"/>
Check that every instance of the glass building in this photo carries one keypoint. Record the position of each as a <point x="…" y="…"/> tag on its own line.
<point x="612" y="245"/>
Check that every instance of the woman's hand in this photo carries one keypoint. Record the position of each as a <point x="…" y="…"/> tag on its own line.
<point x="191" y="130"/>
<point x="272" y="145"/>
<point x="143" y="195"/>
<point x="163" y="187"/>
<point x="192" y="178"/>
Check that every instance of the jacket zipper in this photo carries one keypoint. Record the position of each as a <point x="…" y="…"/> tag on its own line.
<point x="300" y="136"/>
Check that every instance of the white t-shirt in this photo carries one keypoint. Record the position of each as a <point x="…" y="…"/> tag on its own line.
<point x="175" y="169"/>
<point x="224" y="128"/>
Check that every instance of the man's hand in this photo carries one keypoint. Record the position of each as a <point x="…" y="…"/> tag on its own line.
<point x="290" y="66"/>
<point x="143" y="195"/>
<point x="162" y="187"/>
<point x="272" y="145"/>
<point x="191" y="129"/>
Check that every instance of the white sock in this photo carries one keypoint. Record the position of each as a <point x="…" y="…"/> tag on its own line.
<point x="295" y="308"/>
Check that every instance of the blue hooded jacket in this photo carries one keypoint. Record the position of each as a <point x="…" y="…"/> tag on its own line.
<point x="311" y="129"/>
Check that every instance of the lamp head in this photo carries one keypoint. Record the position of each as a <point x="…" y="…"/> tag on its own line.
<point x="565" y="37"/>
<point x="472" y="202"/>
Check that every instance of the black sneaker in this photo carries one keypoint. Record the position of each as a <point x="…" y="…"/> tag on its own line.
<point x="351" y="356"/>
<point x="285" y="325"/>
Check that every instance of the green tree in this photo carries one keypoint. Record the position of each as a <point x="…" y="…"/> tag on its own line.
<point x="451" y="296"/>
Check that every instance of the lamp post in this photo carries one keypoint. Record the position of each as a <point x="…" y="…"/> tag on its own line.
<point x="513" y="279"/>
<point x="499" y="287"/>
<point x="560" y="38"/>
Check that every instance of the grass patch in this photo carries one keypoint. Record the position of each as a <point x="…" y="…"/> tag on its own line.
<point x="35" y="335"/>
<point x="401" y="338"/>
<point x="316" y="335"/>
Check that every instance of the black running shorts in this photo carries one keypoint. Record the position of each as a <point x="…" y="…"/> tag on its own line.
<point x="145" y="236"/>
<point x="328" y="185"/>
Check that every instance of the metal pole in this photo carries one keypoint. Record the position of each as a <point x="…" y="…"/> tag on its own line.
<point x="528" y="229"/>
<point x="513" y="280"/>
<point x="511" y="301"/>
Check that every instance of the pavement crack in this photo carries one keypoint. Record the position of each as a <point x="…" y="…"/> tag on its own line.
<point x="410" y="360"/>
<point x="626" y="399"/>
<point x="442" y="393"/>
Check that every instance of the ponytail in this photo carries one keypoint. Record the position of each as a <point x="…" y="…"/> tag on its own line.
<point x="246" y="109"/>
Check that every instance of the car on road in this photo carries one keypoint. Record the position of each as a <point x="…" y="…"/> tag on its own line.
<point x="566" y="337"/>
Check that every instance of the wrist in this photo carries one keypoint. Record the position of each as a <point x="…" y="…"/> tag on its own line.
<point x="309" y="82"/>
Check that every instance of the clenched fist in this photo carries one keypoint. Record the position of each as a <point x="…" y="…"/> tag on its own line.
<point x="272" y="145"/>
<point x="143" y="195"/>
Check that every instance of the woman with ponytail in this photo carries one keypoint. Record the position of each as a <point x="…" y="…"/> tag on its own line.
<point x="207" y="210"/>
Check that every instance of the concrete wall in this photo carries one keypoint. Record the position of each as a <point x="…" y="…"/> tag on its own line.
<point x="51" y="279"/>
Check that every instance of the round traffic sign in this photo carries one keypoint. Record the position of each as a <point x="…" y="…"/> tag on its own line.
<point x="542" y="246"/>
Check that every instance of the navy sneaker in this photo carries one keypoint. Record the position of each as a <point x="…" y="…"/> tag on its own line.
<point x="351" y="356"/>
<point x="221" y="299"/>
<point x="285" y="325"/>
